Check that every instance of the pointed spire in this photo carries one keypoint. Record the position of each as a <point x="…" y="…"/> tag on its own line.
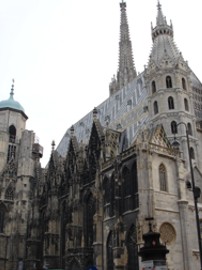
<point x="160" y="20"/>
<point x="126" y="72"/>
<point x="164" y="47"/>
<point x="162" y="27"/>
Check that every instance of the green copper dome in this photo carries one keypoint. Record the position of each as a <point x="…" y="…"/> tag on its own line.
<point x="11" y="103"/>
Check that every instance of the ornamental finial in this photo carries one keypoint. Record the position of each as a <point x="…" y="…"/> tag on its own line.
<point x="12" y="88"/>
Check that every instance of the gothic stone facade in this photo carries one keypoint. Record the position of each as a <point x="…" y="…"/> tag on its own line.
<point x="113" y="169"/>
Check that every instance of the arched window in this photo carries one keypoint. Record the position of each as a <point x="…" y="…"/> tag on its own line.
<point x="126" y="188"/>
<point x="156" y="109"/>
<point x="130" y="188"/>
<point x="2" y="217"/>
<point x="12" y="134"/>
<point x="186" y="104"/>
<point x="108" y="187"/>
<point x="65" y="218"/>
<point x="168" y="82"/>
<point x="184" y="86"/>
<point x="189" y="129"/>
<point x="134" y="189"/>
<point x="112" y="196"/>
<point x="1" y="221"/>
<point x="129" y="102"/>
<point x="89" y="211"/>
<point x="171" y="103"/>
<point x="153" y="87"/>
<point x="132" y="249"/>
<point x="110" y="259"/>
<point x="129" y="105"/>
<point x="163" y="178"/>
<point x="11" y="152"/>
<point x="191" y="152"/>
<point x="9" y="195"/>
<point x="173" y="127"/>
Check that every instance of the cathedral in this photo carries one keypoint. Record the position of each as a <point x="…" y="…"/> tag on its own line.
<point x="125" y="168"/>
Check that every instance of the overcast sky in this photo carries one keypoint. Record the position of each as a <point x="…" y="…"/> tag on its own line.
<point x="63" y="53"/>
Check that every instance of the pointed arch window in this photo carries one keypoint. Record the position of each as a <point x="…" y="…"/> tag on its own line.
<point x="174" y="127"/>
<point x="12" y="134"/>
<point x="168" y="82"/>
<point x="191" y="152"/>
<point x="189" y="129"/>
<point x="9" y="195"/>
<point x="171" y="105"/>
<point x="134" y="189"/>
<point x="112" y="196"/>
<point x="2" y="217"/>
<point x="110" y="259"/>
<point x="106" y="188"/>
<point x="163" y="178"/>
<point x="127" y="187"/>
<point x="186" y="105"/>
<point x="184" y="86"/>
<point x="89" y="211"/>
<point x="153" y="87"/>
<point x="156" y="109"/>
<point x="11" y="152"/>
<point x="129" y="105"/>
<point x="132" y="249"/>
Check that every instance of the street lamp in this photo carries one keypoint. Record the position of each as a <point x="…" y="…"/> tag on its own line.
<point x="195" y="190"/>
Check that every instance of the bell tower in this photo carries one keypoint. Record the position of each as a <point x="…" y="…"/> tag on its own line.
<point x="19" y="160"/>
<point x="169" y="84"/>
<point x="12" y="124"/>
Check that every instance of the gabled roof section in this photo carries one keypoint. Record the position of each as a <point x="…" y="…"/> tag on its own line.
<point x="73" y="141"/>
<point x="96" y="138"/>
<point x="97" y="125"/>
<point x="154" y="136"/>
<point x="159" y="137"/>
<point x="56" y="160"/>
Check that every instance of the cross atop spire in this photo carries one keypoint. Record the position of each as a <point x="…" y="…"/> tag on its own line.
<point x="123" y="4"/>
<point x="12" y="89"/>
<point x="160" y="20"/>
<point x="163" y="44"/>
<point x="161" y="24"/>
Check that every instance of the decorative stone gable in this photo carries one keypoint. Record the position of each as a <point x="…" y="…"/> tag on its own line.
<point x="158" y="137"/>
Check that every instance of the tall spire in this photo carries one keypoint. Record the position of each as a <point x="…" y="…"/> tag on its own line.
<point x="126" y="71"/>
<point x="164" y="47"/>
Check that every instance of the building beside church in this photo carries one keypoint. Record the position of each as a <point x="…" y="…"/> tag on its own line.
<point x="112" y="171"/>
